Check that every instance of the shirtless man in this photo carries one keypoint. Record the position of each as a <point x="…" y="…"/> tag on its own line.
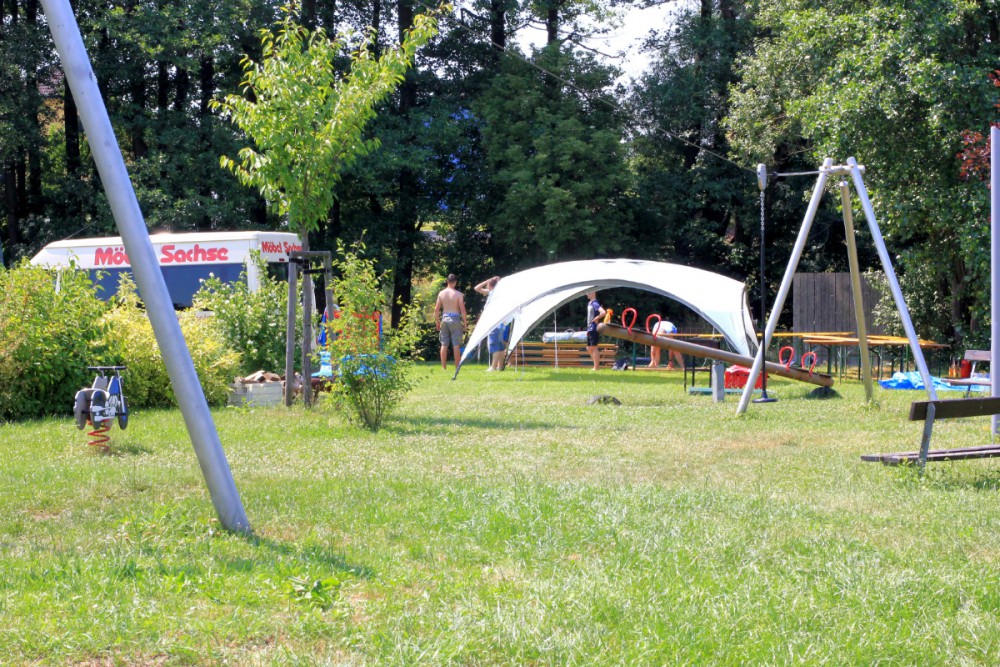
<point x="451" y="320"/>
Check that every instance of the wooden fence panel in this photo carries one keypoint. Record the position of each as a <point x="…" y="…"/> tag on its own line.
<point x="823" y="302"/>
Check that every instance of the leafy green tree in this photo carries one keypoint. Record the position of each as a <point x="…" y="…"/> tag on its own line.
<point x="130" y="342"/>
<point x="47" y="339"/>
<point x="306" y="119"/>
<point x="252" y="322"/>
<point x="558" y="159"/>
<point x="373" y="367"/>
<point x="24" y="61"/>
<point x="695" y="207"/>
<point x="894" y="84"/>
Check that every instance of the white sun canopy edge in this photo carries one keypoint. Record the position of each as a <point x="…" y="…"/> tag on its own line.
<point x="527" y="297"/>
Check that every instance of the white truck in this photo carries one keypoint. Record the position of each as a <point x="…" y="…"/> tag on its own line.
<point x="185" y="259"/>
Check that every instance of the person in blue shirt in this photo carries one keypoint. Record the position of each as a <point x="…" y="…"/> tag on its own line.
<point x="595" y="312"/>
<point x="496" y="341"/>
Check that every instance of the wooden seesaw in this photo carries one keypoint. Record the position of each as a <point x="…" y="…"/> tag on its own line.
<point x="696" y="350"/>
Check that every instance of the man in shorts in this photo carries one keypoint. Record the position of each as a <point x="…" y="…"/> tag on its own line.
<point x="451" y="320"/>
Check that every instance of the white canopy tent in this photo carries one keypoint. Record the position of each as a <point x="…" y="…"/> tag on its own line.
<point x="525" y="298"/>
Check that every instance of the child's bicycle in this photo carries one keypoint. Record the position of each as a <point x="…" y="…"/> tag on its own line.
<point x="102" y="403"/>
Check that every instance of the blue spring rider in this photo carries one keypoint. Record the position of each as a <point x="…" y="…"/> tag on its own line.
<point x="101" y="404"/>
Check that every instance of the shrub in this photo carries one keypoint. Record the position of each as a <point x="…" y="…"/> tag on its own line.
<point x="371" y="378"/>
<point x="252" y="323"/>
<point x="131" y="343"/>
<point x="47" y="339"/>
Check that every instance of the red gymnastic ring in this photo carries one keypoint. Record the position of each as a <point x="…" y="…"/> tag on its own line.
<point x="631" y="323"/>
<point x="813" y="364"/>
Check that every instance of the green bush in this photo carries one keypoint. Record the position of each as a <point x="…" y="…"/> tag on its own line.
<point x="131" y="343"/>
<point x="253" y="323"/>
<point x="372" y="378"/>
<point x="47" y="339"/>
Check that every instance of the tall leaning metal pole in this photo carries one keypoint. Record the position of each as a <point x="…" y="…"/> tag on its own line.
<point x="159" y="307"/>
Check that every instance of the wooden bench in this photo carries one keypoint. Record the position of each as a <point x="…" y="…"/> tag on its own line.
<point x="975" y="356"/>
<point x="928" y="412"/>
<point x="567" y="354"/>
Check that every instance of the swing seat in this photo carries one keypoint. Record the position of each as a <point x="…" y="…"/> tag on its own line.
<point x="928" y="412"/>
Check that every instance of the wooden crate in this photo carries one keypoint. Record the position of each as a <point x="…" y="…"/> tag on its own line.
<point x="569" y="354"/>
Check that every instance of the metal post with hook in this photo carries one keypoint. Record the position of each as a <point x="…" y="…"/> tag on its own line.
<point x="786" y="283"/>
<point x="762" y="184"/>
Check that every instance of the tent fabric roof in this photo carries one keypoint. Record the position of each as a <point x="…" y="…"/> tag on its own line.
<point x="525" y="298"/>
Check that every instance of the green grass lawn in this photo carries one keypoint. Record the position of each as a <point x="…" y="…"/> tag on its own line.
<point x="498" y="519"/>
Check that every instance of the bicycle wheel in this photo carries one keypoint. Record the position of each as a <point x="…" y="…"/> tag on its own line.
<point x="123" y="415"/>
<point x="80" y="409"/>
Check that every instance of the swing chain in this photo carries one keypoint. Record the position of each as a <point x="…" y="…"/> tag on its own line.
<point x="762" y="214"/>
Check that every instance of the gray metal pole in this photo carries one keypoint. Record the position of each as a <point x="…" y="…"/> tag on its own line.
<point x="292" y="313"/>
<point x="995" y="269"/>
<point x="786" y="284"/>
<point x="859" y="306"/>
<point x="307" y="335"/>
<point x="897" y="293"/>
<point x="132" y="227"/>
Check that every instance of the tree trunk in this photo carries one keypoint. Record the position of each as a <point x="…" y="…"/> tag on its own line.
<point x="162" y="85"/>
<point x="206" y="86"/>
<point x="137" y="131"/>
<point x="376" y="26"/>
<point x="552" y="24"/>
<point x="35" y="203"/>
<point x="408" y="187"/>
<point x="21" y="170"/>
<point x="728" y="11"/>
<point x="206" y="79"/>
<point x="183" y="87"/>
<point x="309" y="14"/>
<point x="71" y="126"/>
<point x="13" y="210"/>
<point x="402" y="289"/>
<point x="498" y="28"/>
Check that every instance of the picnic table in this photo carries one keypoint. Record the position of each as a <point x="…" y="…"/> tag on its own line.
<point x="880" y="346"/>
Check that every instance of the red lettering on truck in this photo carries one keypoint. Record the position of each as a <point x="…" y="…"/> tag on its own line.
<point x="169" y="254"/>
<point x="113" y="256"/>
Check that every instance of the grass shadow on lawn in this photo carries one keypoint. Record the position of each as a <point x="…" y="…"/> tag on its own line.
<point x="310" y="552"/>
<point x="408" y="425"/>
<point x="955" y="476"/>
<point x="574" y="375"/>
